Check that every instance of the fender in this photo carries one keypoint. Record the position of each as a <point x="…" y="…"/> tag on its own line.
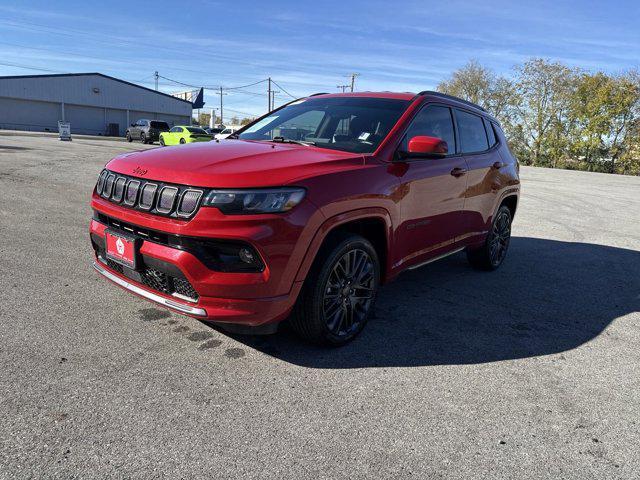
<point x="340" y="219"/>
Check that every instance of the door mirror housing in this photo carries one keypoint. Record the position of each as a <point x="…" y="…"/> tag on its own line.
<point x="426" y="147"/>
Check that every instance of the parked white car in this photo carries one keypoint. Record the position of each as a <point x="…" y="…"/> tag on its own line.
<point x="226" y="132"/>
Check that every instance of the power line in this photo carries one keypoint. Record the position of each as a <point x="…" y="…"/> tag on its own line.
<point x="248" y="85"/>
<point x="28" y="67"/>
<point x="280" y="87"/>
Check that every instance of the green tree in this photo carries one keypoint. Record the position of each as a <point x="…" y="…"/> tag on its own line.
<point x="543" y="97"/>
<point x="480" y="85"/>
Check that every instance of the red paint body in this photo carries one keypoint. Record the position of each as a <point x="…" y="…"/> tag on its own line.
<point x="423" y="207"/>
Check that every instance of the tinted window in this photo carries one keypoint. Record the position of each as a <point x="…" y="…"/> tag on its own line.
<point x="490" y="133"/>
<point x="196" y="130"/>
<point x="175" y="129"/>
<point x="160" y="125"/>
<point x="433" y="121"/>
<point x="473" y="138"/>
<point x="352" y="124"/>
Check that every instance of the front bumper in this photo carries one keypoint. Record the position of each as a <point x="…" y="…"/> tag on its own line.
<point x="248" y="298"/>
<point x="149" y="295"/>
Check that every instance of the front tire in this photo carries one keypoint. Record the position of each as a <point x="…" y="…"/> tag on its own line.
<point x="143" y="138"/>
<point x="491" y="255"/>
<point x="182" y="141"/>
<point x="339" y="293"/>
<point x="129" y="139"/>
<point x="162" y="142"/>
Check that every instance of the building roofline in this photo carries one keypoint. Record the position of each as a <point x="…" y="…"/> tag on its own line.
<point x="46" y="75"/>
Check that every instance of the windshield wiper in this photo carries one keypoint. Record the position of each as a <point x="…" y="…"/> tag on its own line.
<point x="289" y="140"/>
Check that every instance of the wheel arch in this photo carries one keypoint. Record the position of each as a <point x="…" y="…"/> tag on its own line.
<point x="374" y="224"/>
<point x="511" y="202"/>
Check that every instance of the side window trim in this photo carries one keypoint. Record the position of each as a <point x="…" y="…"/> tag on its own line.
<point x="453" y="121"/>
<point x="479" y="152"/>
<point x="489" y="125"/>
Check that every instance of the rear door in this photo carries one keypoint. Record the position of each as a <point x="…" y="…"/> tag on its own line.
<point x="479" y="147"/>
<point x="434" y="190"/>
<point x="142" y="128"/>
<point x="174" y="135"/>
<point x="134" y="132"/>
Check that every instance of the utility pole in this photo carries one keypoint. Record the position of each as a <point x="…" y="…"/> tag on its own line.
<point x="343" y="87"/>
<point x="269" y="96"/>
<point x="221" y="93"/>
<point x="156" y="75"/>
<point x="353" y="80"/>
<point x="273" y="99"/>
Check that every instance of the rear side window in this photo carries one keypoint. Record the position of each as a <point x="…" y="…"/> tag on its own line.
<point x="433" y="121"/>
<point x="160" y="125"/>
<point x="491" y="134"/>
<point x="473" y="137"/>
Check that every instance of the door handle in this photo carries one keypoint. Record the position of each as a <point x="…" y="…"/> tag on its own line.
<point x="458" y="171"/>
<point x="498" y="165"/>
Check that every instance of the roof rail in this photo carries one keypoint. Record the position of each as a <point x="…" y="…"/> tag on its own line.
<point x="319" y="93"/>
<point x="451" y="97"/>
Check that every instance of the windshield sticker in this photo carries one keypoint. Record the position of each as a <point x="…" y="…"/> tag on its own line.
<point x="364" y="136"/>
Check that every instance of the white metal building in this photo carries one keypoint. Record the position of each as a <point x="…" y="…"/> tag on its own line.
<point x="89" y="101"/>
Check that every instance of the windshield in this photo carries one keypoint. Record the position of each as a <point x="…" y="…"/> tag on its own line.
<point x="196" y="130"/>
<point x="160" y="125"/>
<point x="352" y="124"/>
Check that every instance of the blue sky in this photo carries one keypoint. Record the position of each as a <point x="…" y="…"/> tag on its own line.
<point x="308" y="47"/>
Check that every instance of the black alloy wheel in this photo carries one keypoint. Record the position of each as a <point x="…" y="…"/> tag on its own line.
<point x="494" y="250"/>
<point x="349" y="293"/>
<point x="339" y="293"/>
<point x="500" y="237"/>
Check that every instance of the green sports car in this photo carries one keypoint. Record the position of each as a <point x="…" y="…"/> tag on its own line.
<point x="184" y="134"/>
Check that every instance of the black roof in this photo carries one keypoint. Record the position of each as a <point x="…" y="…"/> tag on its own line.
<point x="98" y="74"/>
<point x="451" y="97"/>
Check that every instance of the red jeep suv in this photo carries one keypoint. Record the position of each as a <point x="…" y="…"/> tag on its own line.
<point x="305" y="212"/>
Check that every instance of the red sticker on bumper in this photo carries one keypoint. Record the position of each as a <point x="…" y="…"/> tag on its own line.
<point x="121" y="249"/>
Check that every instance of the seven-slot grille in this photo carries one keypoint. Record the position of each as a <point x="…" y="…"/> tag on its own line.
<point x="150" y="196"/>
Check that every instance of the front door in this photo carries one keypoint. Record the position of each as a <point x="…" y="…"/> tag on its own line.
<point x="434" y="192"/>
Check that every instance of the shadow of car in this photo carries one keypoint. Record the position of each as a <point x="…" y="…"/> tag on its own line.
<point x="548" y="297"/>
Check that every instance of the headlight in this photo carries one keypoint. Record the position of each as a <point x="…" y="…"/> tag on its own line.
<point x="270" y="200"/>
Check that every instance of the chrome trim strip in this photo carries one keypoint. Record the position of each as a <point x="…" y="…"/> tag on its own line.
<point x="106" y="182"/>
<point x="195" y="209"/>
<point x="126" y="190"/>
<point x="101" y="179"/>
<point x="439" y="257"/>
<point x="200" y="312"/>
<point x="118" y="198"/>
<point x="153" y="186"/>
<point x="173" y="199"/>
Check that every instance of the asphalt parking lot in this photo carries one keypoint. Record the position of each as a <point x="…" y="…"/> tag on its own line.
<point x="528" y="372"/>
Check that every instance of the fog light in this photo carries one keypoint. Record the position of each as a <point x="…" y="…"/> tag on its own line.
<point x="246" y="255"/>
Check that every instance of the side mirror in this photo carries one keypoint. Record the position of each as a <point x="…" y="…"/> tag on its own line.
<point x="425" y="146"/>
<point x="133" y="124"/>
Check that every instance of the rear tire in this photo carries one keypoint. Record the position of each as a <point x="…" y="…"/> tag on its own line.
<point x="143" y="138"/>
<point x="182" y="141"/>
<point x="162" y="142"/>
<point x="339" y="293"/>
<point x="491" y="255"/>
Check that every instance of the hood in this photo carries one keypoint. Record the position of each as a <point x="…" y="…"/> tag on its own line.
<point x="233" y="163"/>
